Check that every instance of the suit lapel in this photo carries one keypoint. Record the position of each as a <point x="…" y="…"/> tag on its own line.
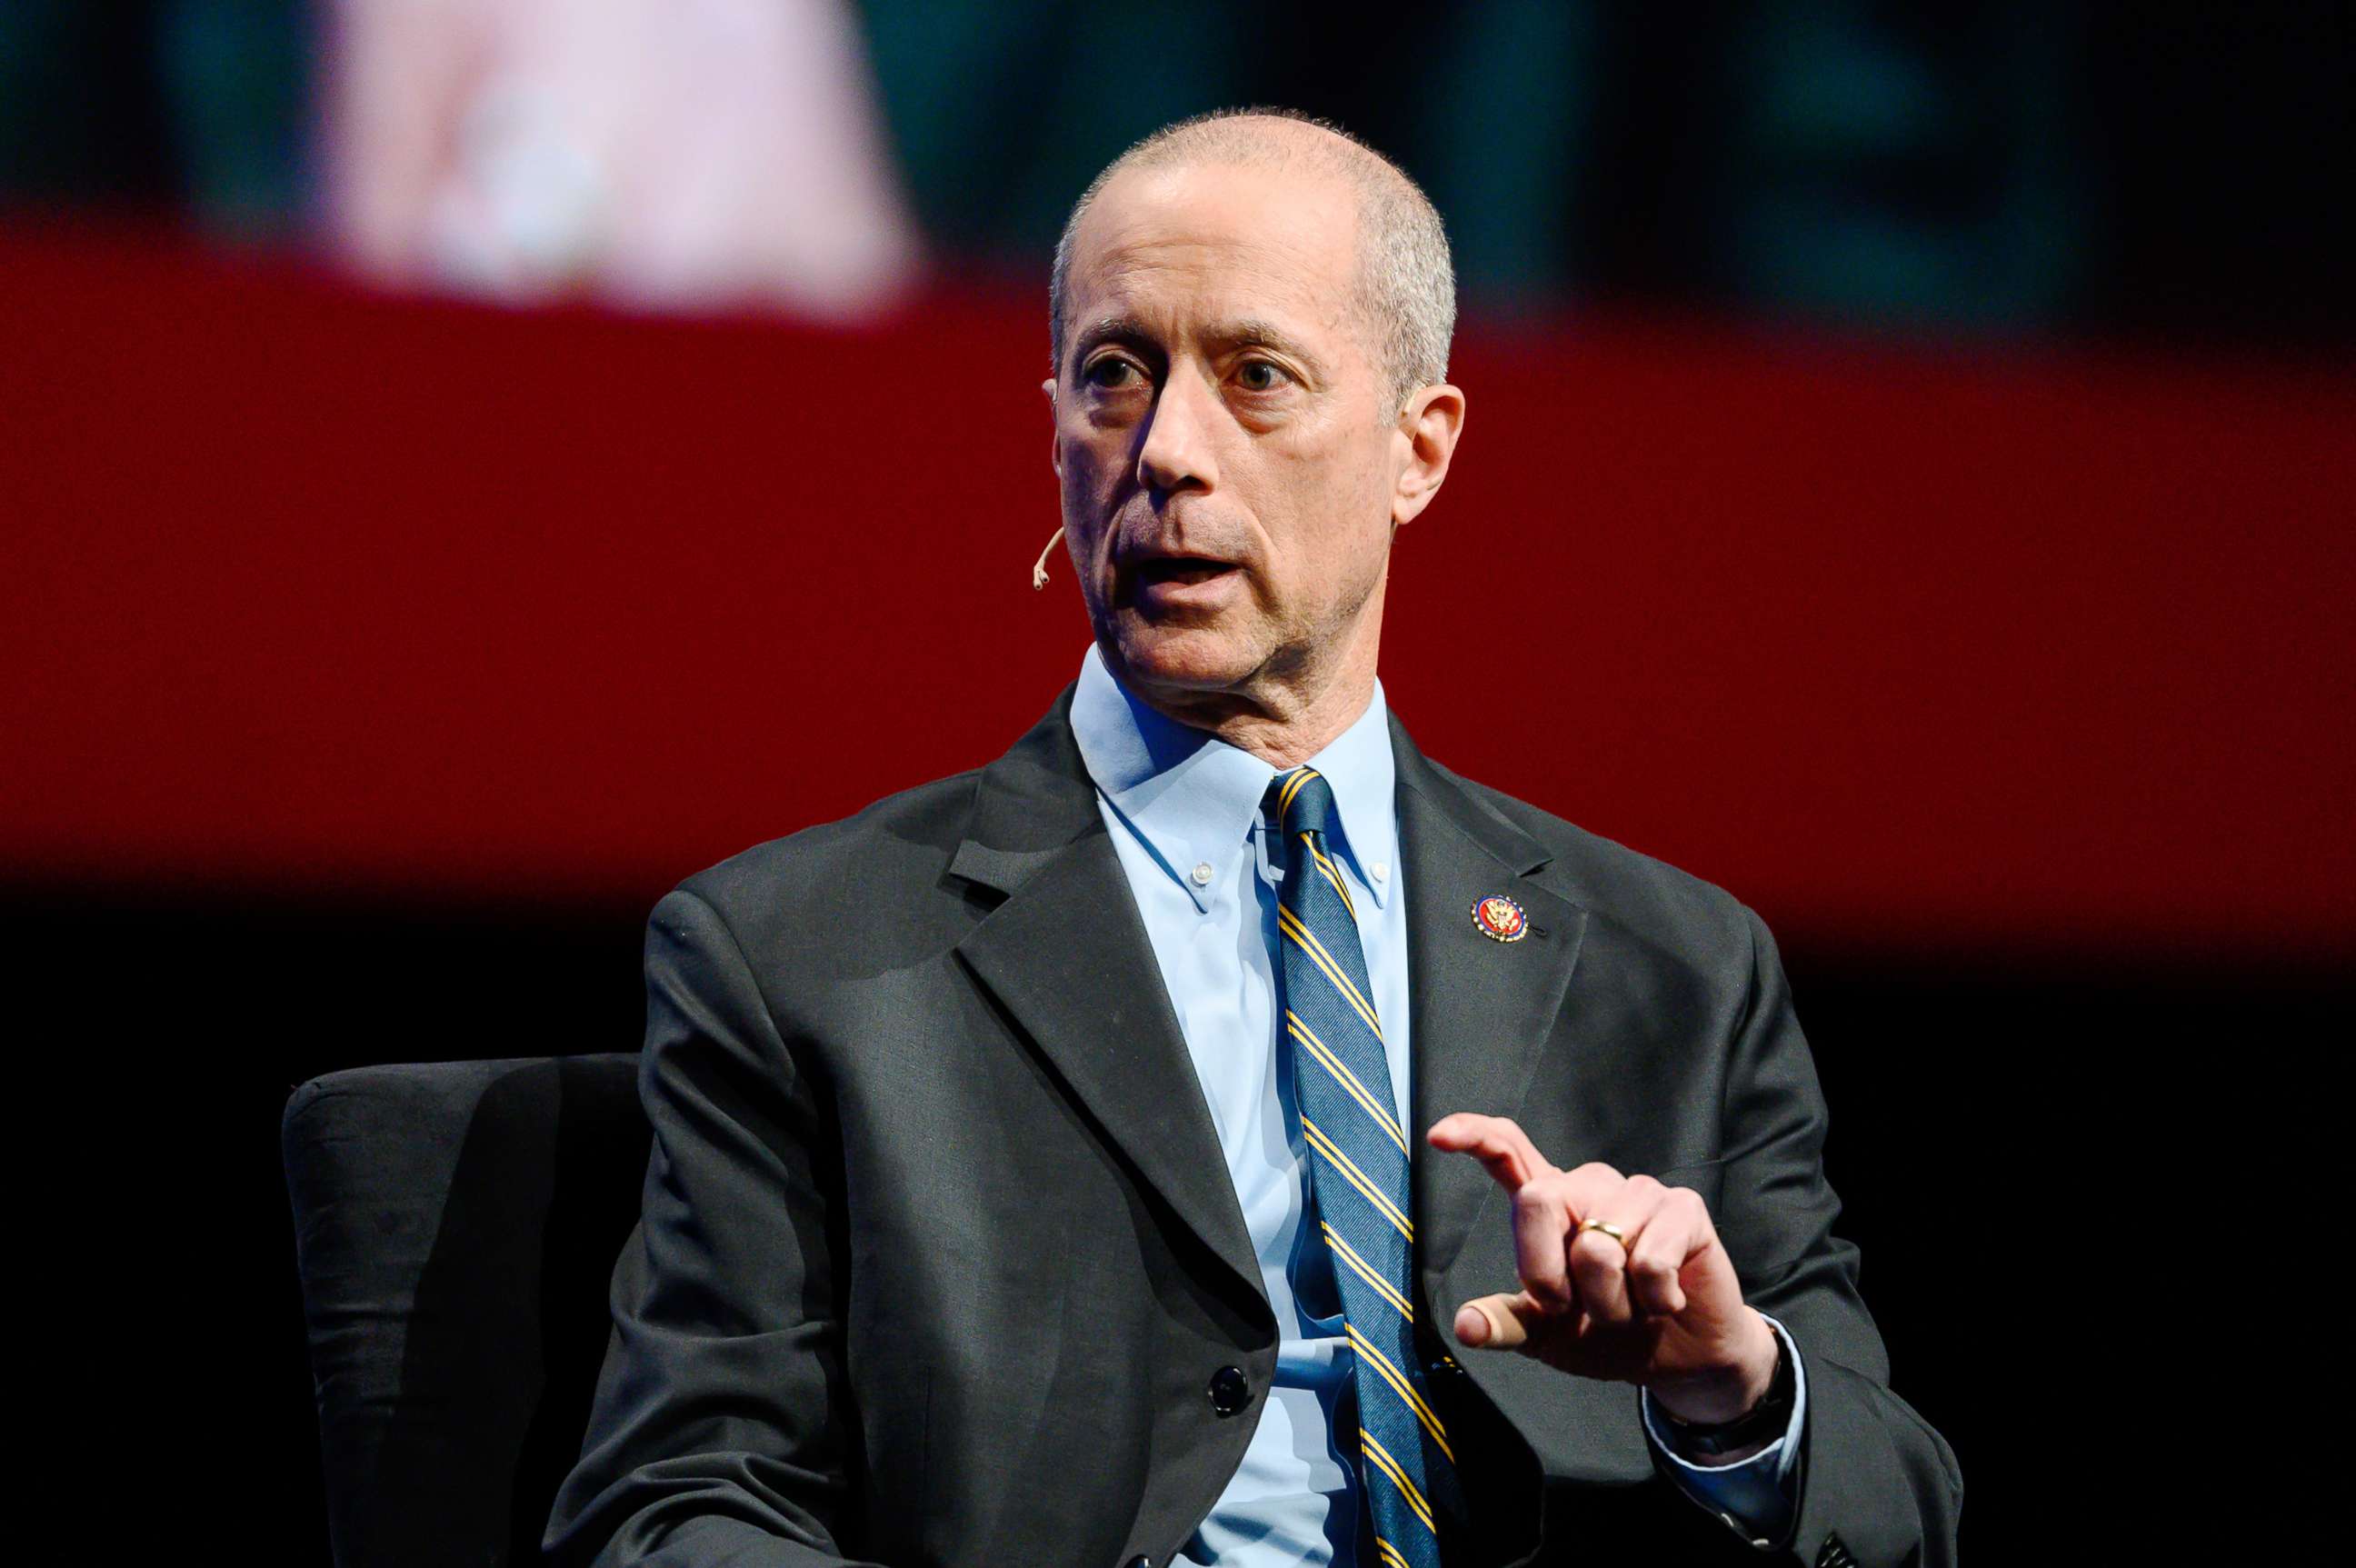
<point x="1483" y="1009"/>
<point x="1067" y="955"/>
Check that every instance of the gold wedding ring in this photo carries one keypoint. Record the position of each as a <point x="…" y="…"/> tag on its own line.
<point x="1608" y="1228"/>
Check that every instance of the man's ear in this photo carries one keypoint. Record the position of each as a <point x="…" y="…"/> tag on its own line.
<point x="1431" y="423"/>
<point x="1054" y="444"/>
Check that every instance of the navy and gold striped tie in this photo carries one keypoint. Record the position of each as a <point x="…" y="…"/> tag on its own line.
<point x="1358" y="1176"/>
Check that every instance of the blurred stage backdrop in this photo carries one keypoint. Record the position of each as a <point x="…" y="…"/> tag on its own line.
<point x="466" y="463"/>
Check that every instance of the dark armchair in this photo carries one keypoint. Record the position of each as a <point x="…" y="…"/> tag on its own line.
<point x="456" y="1225"/>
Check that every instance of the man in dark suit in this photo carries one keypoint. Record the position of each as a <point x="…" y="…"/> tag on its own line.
<point x="1032" y="1179"/>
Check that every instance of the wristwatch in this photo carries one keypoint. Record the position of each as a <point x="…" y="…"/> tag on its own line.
<point x="1761" y="1424"/>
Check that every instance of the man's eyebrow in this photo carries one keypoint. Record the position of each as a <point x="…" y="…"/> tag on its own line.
<point x="1251" y="332"/>
<point x="1121" y="329"/>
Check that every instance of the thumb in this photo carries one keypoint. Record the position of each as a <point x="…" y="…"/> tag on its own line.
<point x="1497" y="1322"/>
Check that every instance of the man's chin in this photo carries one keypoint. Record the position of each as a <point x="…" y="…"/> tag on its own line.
<point x="1181" y="659"/>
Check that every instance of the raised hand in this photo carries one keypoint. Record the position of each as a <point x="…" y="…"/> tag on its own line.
<point x="1622" y="1279"/>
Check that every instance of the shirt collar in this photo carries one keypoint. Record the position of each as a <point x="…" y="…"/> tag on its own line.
<point x="1192" y="798"/>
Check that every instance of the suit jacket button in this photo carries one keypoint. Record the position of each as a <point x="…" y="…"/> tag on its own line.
<point x="1230" y="1391"/>
<point x="1139" y="1561"/>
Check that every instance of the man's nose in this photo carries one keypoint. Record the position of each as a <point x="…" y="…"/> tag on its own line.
<point x="1176" y="447"/>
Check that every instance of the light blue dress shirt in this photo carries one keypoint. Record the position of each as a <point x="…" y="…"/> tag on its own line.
<point x="1183" y="812"/>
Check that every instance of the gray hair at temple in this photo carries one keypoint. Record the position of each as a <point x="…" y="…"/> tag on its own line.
<point x="1407" y="284"/>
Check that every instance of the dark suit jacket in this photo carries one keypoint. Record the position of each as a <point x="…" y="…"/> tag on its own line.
<point x="939" y="1256"/>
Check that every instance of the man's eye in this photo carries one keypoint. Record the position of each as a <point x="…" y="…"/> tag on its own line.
<point x="1109" y="374"/>
<point x="1260" y="375"/>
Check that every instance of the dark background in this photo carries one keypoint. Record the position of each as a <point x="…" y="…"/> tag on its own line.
<point x="1909" y="483"/>
<point x="2032" y="1163"/>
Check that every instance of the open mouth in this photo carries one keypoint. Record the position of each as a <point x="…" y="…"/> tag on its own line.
<point x="1182" y="570"/>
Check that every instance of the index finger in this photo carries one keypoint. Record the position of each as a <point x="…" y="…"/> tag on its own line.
<point x="1497" y="1142"/>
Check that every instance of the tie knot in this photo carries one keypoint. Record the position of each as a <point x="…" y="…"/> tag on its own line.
<point x="1301" y="802"/>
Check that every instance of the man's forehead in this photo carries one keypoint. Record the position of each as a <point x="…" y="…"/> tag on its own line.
<point x="1242" y="241"/>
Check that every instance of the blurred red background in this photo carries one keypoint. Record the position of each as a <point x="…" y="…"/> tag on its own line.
<point x="2030" y="652"/>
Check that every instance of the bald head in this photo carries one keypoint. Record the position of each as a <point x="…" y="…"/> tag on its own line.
<point x="1406" y="286"/>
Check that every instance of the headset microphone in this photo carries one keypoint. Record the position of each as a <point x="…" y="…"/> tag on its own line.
<point x="1038" y="567"/>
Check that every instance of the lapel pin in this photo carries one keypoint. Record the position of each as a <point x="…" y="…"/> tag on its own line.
<point x="1500" y="919"/>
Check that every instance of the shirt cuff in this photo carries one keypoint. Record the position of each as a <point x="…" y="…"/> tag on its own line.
<point x="1757" y="1497"/>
